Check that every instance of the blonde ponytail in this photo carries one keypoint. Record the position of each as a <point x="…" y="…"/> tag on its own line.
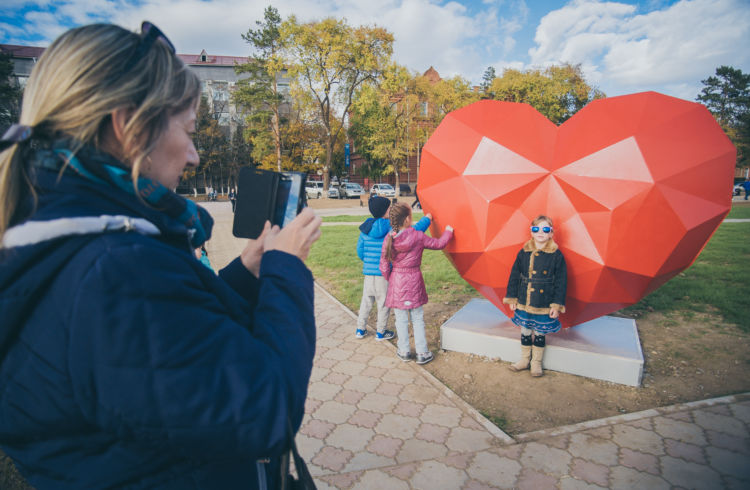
<point x="76" y="85"/>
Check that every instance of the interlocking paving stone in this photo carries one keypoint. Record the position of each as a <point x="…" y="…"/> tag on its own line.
<point x="638" y="439"/>
<point x="544" y="458"/>
<point x="720" y="423"/>
<point x="680" y="431"/>
<point x="364" y="418"/>
<point x="594" y="449"/>
<point x="681" y="473"/>
<point x="590" y="472"/>
<point x="365" y="384"/>
<point x="488" y="467"/>
<point x="432" y="433"/>
<point x="432" y="474"/>
<point x="416" y="450"/>
<point x="462" y="439"/>
<point x="729" y="462"/>
<point x="622" y="478"/>
<point x="376" y="402"/>
<point x="534" y="480"/>
<point x="350" y="437"/>
<point x="335" y="412"/>
<point x="398" y="426"/>
<point x="688" y="452"/>
<point x="639" y="461"/>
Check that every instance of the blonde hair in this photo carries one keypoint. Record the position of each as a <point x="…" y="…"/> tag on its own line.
<point x="541" y="218"/>
<point x="398" y="214"/>
<point x="77" y="84"/>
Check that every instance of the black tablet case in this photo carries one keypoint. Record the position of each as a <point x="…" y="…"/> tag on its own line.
<point x="256" y="199"/>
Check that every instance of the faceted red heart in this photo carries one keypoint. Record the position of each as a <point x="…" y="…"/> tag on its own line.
<point x="636" y="185"/>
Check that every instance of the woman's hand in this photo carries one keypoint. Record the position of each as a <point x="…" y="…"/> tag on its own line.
<point x="554" y="313"/>
<point x="512" y="307"/>
<point x="253" y="252"/>
<point x="297" y="237"/>
<point x="449" y="228"/>
<point x="428" y="216"/>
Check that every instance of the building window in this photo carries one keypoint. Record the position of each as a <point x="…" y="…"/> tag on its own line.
<point x="423" y="109"/>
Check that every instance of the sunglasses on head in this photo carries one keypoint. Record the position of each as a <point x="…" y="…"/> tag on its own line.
<point x="149" y="35"/>
<point x="545" y="229"/>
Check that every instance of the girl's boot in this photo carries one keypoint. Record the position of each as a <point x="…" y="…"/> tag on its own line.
<point x="537" y="353"/>
<point x="523" y="362"/>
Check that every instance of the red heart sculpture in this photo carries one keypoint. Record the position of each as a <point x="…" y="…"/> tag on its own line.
<point x="636" y="185"/>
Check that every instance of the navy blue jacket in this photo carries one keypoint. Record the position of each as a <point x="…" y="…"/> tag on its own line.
<point x="370" y="244"/>
<point x="124" y="362"/>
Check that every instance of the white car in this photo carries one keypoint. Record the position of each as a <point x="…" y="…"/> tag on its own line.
<point x="333" y="192"/>
<point x="350" y="189"/>
<point x="384" y="190"/>
<point x="314" y="189"/>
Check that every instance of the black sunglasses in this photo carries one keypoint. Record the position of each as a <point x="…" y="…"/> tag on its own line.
<point x="149" y="35"/>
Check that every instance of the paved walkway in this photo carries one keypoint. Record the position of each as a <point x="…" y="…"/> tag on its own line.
<point x="373" y="421"/>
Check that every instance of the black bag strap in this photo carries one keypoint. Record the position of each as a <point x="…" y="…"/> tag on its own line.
<point x="304" y="480"/>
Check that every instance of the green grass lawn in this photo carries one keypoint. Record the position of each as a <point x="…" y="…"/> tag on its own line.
<point x="740" y="211"/>
<point x="353" y="218"/>
<point x="718" y="282"/>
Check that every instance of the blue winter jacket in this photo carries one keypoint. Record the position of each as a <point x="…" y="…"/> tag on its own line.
<point x="126" y="363"/>
<point x="370" y="244"/>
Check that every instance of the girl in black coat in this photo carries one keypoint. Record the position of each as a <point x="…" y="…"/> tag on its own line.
<point x="536" y="293"/>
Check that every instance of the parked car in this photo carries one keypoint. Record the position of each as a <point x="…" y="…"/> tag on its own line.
<point x="384" y="190"/>
<point x="350" y="190"/>
<point x="314" y="189"/>
<point x="404" y="189"/>
<point x="333" y="192"/>
<point x="738" y="189"/>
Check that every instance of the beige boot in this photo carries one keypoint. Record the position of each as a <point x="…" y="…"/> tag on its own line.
<point x="537" y="353"/>
<point x="523" y="362"/>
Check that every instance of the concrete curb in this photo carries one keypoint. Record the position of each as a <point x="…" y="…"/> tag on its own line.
<point x="630" y="417"/>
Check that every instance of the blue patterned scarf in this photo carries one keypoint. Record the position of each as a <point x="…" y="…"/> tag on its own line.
<point x="104" y="169"/>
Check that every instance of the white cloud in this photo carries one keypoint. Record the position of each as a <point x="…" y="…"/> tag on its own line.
<point x="620" y="49"/>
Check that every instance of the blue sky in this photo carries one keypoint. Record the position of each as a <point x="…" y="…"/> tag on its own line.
<point x="624" y="46"/>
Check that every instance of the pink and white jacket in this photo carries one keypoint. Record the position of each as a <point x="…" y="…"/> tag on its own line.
<point x="406" y="288"/>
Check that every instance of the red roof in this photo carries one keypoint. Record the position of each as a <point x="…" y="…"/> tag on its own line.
<point x="22" y="51"/>
<point x="211" y="60"/>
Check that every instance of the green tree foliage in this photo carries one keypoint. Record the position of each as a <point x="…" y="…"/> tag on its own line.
<point x="330" y="60"/>
<point x="384" y="120"/>
<point x="487" y="79"/>
<point x="259" y="93"/>
<point x="558" y="92"/>
<point x="10" y="94"/>
<point x="212" y="145"/>
<point x="727" y="96"/>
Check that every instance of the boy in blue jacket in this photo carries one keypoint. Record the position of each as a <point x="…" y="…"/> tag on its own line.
<point x="369" y="247"/>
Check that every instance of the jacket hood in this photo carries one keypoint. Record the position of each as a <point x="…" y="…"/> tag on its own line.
<point x="549" y="247"/>
<point x="26" y="271"/>
<point x="375" y="228"/>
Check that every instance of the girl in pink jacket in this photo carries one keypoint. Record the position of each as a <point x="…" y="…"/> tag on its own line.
<point x="399" y="264"/>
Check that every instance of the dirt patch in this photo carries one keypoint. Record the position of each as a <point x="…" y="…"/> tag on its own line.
<point x="686" y="359"/>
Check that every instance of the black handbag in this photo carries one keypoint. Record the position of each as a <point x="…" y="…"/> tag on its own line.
<point x="304" y="480"/>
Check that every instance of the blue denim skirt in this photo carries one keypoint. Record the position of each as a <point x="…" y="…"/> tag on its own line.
<point x="541" y="324"/>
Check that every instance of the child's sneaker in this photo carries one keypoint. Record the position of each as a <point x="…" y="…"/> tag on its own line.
<point x="385" y="335"/>
<point x="361" y="333"/>
<point x="425" y="358"/>
<point x="406" y="357"/>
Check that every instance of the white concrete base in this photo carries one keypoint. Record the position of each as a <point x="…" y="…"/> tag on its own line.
<point x="607" y="348"/>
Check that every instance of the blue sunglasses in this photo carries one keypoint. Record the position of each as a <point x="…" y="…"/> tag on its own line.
<point x="545" y="229"/>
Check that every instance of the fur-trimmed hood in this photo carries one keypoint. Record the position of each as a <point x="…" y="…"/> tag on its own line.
<point x="549" y="247"/>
